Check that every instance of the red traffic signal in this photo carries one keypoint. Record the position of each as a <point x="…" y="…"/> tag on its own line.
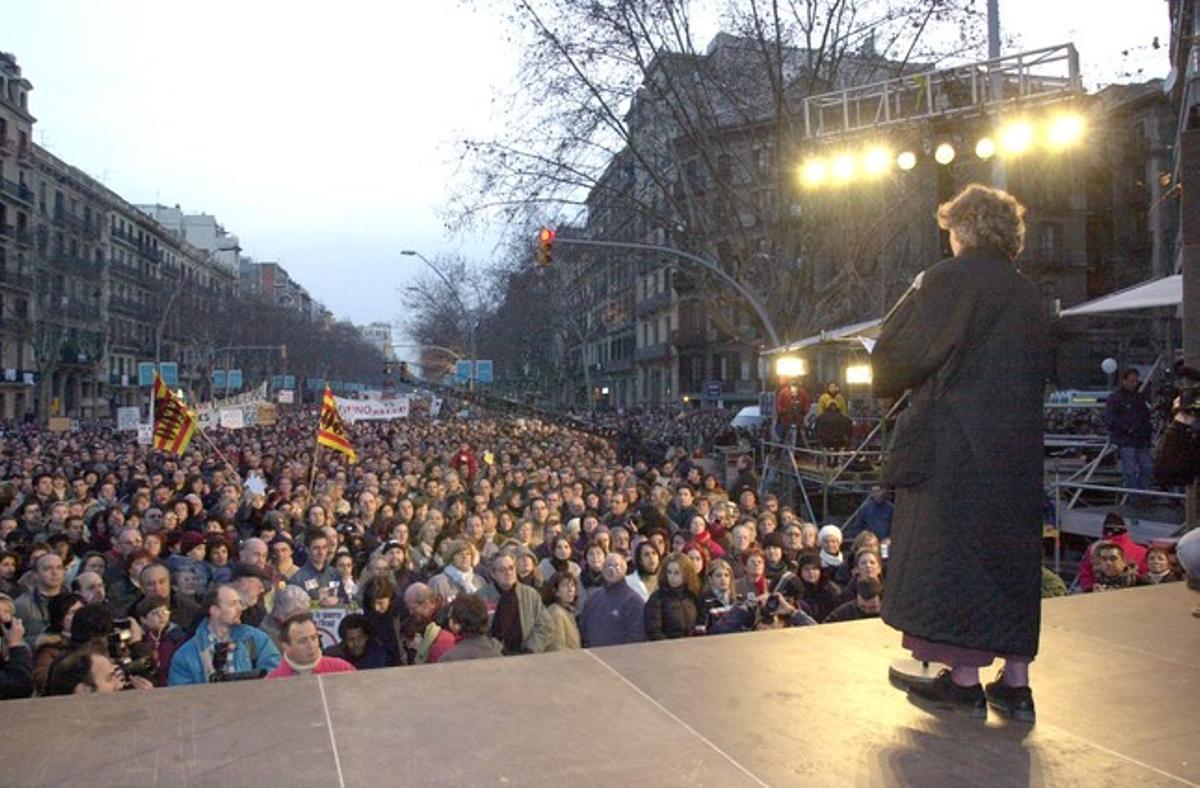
<point x="545" y="243"/>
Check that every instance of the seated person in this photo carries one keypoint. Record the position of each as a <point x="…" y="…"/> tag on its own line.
<point x="866" y="603"/>
<point x="1112" y="569"/>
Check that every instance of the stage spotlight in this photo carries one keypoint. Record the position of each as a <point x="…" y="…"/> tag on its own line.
<point x="813" y="173"/>
<point x="906" y="160"/>
<point x="843" y="167"/>
<point x="944" y="154"/>
<point x="1066" y="130"/>
<point x="790" y="367"/>
<point x="858" y="374"/>
<point x="985" y="148"/>
<point x="877" y="161"/>
<point x="1016" y="137"/>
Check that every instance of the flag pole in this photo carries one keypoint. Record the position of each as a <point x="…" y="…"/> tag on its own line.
<point x="224" y="459"/>
<point x="312" y="474"/>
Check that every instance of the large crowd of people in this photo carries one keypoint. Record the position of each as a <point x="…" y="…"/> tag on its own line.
<point x="449" y="539"/>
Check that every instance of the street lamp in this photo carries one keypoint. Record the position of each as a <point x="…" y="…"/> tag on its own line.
<point x="453" y="292"/>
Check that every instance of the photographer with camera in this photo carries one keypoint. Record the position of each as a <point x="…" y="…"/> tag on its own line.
<point x="223" y="648"/>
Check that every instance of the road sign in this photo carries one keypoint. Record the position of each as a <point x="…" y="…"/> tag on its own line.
<point x="235" y="379"/>
<point x="483" y="371"/>
<point x="218" y="379"/>
<point x="713" y="390"/>
<point x="169" y="371"/>
<point x="462" y="371"/>
<point x="145" y="373"/>
<point x="279" y="382"/>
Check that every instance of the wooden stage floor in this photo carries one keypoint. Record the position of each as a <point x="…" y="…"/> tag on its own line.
<point x="1117" y="686"/>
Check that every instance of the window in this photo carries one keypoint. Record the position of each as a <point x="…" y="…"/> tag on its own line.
<point x="1051" y="241"/>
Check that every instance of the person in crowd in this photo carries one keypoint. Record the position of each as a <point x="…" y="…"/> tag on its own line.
<point x="16" y="658"/>
<point x="347" y="584"/>
<point x="875" y="514"/>
<point x="458" y="576"/>
<point x="1113" y="569"/>
<point x="33" y="606"/>
<point x="426" y="638"/>
<point x="719" y="593"/>
<point x="302" y="651"/>
<point x="289" y="600"/>
<point x="87" y="671"/>
<point x="10" y="571"/>
<point x="468" y="620"/>
<point x="830" y="540"/>
<point x="612" y="614"/>
<point x="161" y="637"/>
<point x="89" y="586"/>
<point x="832" y="430"/>
<point x="56" y="639"/>
<point x="1158" y="567"/>
<point x="282" y="557"/>
<point x="1127" y="417"/>
<point x="561" y="559"/>
<point x="819" y="595"/>
<point x="1115" y="530"/>
<point x="317" y="576"/>
<point x="832" y="395"/>
<point x="156" y="581"/>
<point x="966" y="545"/>
<point x="753" y="582"/>
<point x="866" y="602"/>
<point x="674" y="609"/>
<point x="520" y="620"/>
<point x="355" y="644"/>
<point x="250" y="649"/>
<point x="251" y="582"/>
<point x="644" y="578"/>
<point x="565" y="633"/>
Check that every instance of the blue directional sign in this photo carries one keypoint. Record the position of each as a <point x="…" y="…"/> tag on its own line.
<point x="483" y="371"/>
<point x="170" y="373"/>
<point x="283" y="382"/>
<point x="713" y="390"/>
<point x="218" y="379"/>
<point x="235" y="379"/>
<point x="146" y="373"/>
<point x="462" y="371"/>
<point x="315" y="384"/>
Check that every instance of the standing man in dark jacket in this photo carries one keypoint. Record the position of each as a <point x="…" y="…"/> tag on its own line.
<point x="1127" y="416"/>
<point x="968" y="341"/>
<point x="612" y="615"/>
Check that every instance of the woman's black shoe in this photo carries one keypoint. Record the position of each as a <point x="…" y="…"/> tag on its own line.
<point x="1016" y="702"/>
<point x="944" y="693"/>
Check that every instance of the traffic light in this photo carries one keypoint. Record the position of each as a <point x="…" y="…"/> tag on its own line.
<point x="544" y="250"/>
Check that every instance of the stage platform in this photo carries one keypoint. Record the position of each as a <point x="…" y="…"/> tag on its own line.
<point x="1117" y="687"/>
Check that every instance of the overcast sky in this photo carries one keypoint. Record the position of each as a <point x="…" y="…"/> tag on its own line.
<point x="323" y="134"/>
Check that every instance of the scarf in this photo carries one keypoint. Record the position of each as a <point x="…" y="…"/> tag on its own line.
<point x="830" y="560"/>
<point x="303" y="670"/>
<point x="464" y="580"/>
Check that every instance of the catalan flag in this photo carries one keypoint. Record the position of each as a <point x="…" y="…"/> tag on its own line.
<point x="174" y="424"/>
<point x="331" y="430"/>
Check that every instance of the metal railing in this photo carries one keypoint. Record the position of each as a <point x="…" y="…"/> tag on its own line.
<point x="1036" y="77"/>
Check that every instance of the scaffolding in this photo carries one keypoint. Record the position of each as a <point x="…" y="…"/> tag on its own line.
<point x="1041" y="76"/>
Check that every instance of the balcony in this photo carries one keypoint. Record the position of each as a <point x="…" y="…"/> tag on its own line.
<point x="654" y="303"/>
<point x="7" y="231"/>
<point x="69" y="221"/>
<point x="81" y="310"/>
<point x="18" y="191"/>
<point x="657" y="352"/>
<point x="74" y="264"/>
<point x="7" y="146"/>
<point x="24" y="236"/>
<point x="126" y="306"/>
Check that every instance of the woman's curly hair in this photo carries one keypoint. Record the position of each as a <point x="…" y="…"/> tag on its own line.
<point x="985" y="218"/>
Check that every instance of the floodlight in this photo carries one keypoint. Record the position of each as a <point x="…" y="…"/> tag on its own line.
<point x="906" y="160"/>
<point x="985" y="148"/>
<point x="944" y="153"/>
<point x="877" y="161"/>
<point x="858" y="374"/>
<point x="813" y="173"/>
<point x="1066" y="130"/>
<point x="790" y="367"/>
<point x="1016" y="137"/>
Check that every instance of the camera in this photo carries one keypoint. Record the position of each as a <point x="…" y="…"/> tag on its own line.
<point x="220" y="663"/>
<point x="119" y="640"/>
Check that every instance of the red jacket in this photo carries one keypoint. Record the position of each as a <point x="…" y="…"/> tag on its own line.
<point x="325" y="665"/>
<point x="1134" y="553"/>
<point x="791" y="411"/>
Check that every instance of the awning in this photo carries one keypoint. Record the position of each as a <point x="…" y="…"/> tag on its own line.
<point x="1167" y="291"/>
<point x="855" y="332"/>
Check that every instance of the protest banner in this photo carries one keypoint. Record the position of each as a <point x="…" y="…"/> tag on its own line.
<point x="127" y="419"/>
<point x="352" y="410"/>
<point x="327" y="620"/>
<point x="232" y="418"/>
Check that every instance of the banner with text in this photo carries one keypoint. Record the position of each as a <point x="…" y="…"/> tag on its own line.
<point x="352" y="410"/>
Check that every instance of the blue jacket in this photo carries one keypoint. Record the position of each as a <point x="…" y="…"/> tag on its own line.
<point x="876" y="518"/>
<point x="192" y="663"/>
<point x="612" y="615"/>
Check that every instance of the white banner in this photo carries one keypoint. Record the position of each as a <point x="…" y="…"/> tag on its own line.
<point x="352" y="410"/>
<point x="145" y="434"/>
<point x="285" y="396"/>
<point x="435" y="408"/>
<point x="127" y="418"/>
<point x="233" y="418"/>
<point x="327" y="620"/>
<point x="246" y="398"/>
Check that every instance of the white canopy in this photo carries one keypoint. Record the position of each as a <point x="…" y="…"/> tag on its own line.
<point x="1167" y="291"/>
<point x="866" y="330"/>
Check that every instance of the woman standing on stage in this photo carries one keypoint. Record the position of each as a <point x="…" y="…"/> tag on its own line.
<point x="969" y="341"/>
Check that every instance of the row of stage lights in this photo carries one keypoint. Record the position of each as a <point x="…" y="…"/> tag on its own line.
<point x="1013" y="139"/>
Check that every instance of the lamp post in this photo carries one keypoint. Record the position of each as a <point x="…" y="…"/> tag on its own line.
<point x="469" y="313"/>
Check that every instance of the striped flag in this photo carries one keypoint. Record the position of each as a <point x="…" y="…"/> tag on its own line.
<point x="331" y="430"/>
<point x="174" y="424"/>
